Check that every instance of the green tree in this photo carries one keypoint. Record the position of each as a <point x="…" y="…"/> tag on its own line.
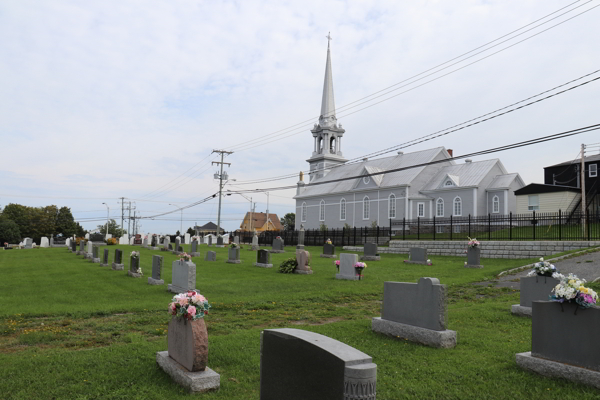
<point x="114" y="229"/>
<point x="65" y="223"/>
<point x="79" y="231"/>
<point x="288" y="221"/>
<point x="9" y="232"/>
<point x="191" y="231"/>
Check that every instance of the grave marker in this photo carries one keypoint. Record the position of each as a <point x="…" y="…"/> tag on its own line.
<point x="117" y="264"/>
<point x="234" y="255"/>
<point x="44" y="242"/>
<point x="255" y="245"/>
<point x="347" y="270"/>
<point x="417" y="255"/>
<point x="263" y="259"/>
<point x="105" y="259"/>
<point x="195" y="252"/>
<point x="277" y="246"/>
<point x="328" y="251"/>
<point x="183" y="276"/>
<point x="220" y="241"/>
<point x="134" y="265"/>
<point x="473" y="257"/>
<point x="95" y="258"/>
<point x="533" y="288"/>
<point x="370" y="252"/>
<point x="303" y="260"/>
<point x="157" y="263"/>
<point x="210" y="256"/>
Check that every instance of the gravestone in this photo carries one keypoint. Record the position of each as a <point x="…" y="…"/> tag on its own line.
<point x="73" y="246"/>
<point x="370" y="252"/>
<point x="44" y="242"/>
<point x="183" y="276"/>
<point x="51" y="241"/>
<point x="277" y="246"/>
<point x="95" y="258"/>
<point x="416" y="312"/>
<point x="263" y="259"/>
<point x="347" y="270"/>
<point x="117" y="264"/>
<point x="195" y="252"/>
<point x="186" y="238"/>
<point x="328" y="251"/>
<point x="209" y="240"/>
<point x="564" y="342"/>
<point x="234" y="255"/>
<point x="124" y="239"/>
<point x="170" y="247"/>
<point x="90" y="251"/>
<point x="220" y="241"/>
<point x="201" y="240"/>
<point x="236" y="240"/>
<point x="157" y="263"/>
<point x="255" y="245"/>
<point x="180" y="249"/>
<point x="210" y="256"/>
<point x="28" y="243"/>
<point x="533" y="288"/>
<point x="96" y="237"/>
<point x="299" y="365"/>
<point x="87" y="236"/>
<point x="81" y="247"/>
<point x="473" y="254"/>
<point x="153" y="241"/>
<point x="132" y="241"/>
<point x="303" y="259"/>
<point x="134" y="265"/>
<point x="417" y="255"/>
<point x="177" y="243"/>
<point x="145" y="242"/>
<point x="301" y="236"/>
<point x="68" y="244"/>
<point x="105" y="259"/>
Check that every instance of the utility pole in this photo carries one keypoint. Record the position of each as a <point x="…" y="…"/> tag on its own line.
<point x="220" y="176"/>
<point x="122" y="213"/>
<point x="267" y="210"/>
<point x="129" y="220"/>
<point x="583" y="200"/>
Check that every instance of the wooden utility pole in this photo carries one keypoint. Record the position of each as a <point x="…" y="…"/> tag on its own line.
<point x="220" y="176"/>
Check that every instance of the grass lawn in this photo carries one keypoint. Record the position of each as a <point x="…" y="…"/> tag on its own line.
<point x="70" y="329"/>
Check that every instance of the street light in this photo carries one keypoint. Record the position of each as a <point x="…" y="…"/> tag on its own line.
<point x="181" y="226"/>
<point x="251" y="208"/>
<point x="107" y="214"/>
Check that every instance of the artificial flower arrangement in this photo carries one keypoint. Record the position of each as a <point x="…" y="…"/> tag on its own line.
<point x="190" y="305"/>
<point x="139" y="271"/>
<point x="135" y="254"/>
<point x="543" y="268"/>
<point x="185" y="257"/>
<point x="359" y="266"/>
<point x="278" y="237"/>
<point x="233" y="245"/>
<point x="473" y="242"/>
<point x="328" y="241"/>
<point x="337" y="264"/>
<point x="571" y="289"/>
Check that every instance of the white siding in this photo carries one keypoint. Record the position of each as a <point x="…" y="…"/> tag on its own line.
<point x="549" y="202"/>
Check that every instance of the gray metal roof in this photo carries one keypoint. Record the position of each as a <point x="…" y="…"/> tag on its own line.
<point x="390" y="179"/>
<point x="502" y="181"/>
<point x="595" y="157"/>
<point x="469" y="173"/>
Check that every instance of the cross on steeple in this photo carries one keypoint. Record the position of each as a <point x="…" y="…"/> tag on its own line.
<point x="329" y="38"/>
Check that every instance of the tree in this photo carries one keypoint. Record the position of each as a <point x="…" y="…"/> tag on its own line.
<point x="79" y="231"/>
<point x="191" y="231"/>
<point x="65" y="223"/>
<point x="9" y="231"/>
<point x="288" y="221"/>
<point x="113" y="229"/>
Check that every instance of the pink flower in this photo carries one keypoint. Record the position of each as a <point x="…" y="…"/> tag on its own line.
<point x="191" y="310"/>
<point x="182" y="301"/>
<point x="173" y="308"/>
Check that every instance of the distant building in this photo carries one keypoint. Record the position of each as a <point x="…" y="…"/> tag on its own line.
<point x="207" y="228"/>
<point x="258" y="221"/>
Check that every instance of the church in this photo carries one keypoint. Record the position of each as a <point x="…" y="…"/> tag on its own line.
<point x="421" y="184"/>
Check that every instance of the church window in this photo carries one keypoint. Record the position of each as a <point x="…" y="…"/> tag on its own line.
<point x="366" y="207"/>
<point x="322" y="211"/>
<point x="495" y="205"/>
<point x="343" y="209"/>
<point x="332" y="145"/>
<point x="303" y="212"/>
<point x="420" y="210"/>
<point x="366" y="180"/>
<point x="448" y="183"/>
<point x="439" y="208"/>
<point x="457" y="207"/>
<point x="392" y="206"/>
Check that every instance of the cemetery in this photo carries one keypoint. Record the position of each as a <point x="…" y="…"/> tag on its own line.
<point x="374" y="334"/>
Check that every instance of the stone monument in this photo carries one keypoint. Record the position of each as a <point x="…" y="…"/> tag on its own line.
<point x="370" y="252"/>
<point x="263" y="259"/>
<point x="157" y="263"/>
<point x="347" y="269"/>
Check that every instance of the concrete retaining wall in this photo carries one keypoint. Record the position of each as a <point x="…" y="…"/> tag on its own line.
<point x="489" y="249"/>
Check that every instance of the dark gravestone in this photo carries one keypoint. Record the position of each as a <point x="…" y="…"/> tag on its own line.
<point x="118" y="260"/>
<point x="220" y="241"/>
<point x="417" y="255"/>
<point x="263" y="259"/>
<point x="157" y="263"/>
<point x="105" y="259"/>
<point x="210" y="256"/>
<point x="95" y="257"/>
<point x="81" y="246"/>
<point x="301" y="365"/>
<point x="73" y="246"/>
<point x="234" y="255"/>
<point x="153" y="241"/>
<point x="195" y="252"/>
<point x="277" y="246"/>
<point x="370" y="252"/>
<point x="210" y="241"/>
<point x="533" y="288"/>
<point x="170" y="247"/>
<point x="473" y="254"/>
<point x="180" y="249"/>
<point x="328" y="251"/>
<point x="134" y="264"/>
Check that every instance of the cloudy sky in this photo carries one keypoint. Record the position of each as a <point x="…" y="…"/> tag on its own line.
<point x="110" y="99"/>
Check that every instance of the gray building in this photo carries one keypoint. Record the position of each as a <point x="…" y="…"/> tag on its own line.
<point x="421" y="184"/>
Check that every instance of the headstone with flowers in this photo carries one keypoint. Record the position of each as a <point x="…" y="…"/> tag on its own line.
<point x="263" y="259"/>
<point x="564" y="334"/>
<point x="416" y="312"/>
<point x="370" y="252"/>
<point x="157" y="263"/>
<point x="328" y="250"/>
<point x="347" y="268"/>
<point x="95" y="257"/>
<point x="537" y="285"/>
<point x="233" y="254"/>
<point x="117" y="264"/>
<point x="210" y="256"/>
<point x="195" y="252"/>
<point x="220" y="241"/>
<point x="277" y="246"/>
<point x="183" y="276"/>
<point x="104" y="259"/>
<point x="473" y="254"/>
<point x="187" y="343"/>
<point x="135" y="271"/>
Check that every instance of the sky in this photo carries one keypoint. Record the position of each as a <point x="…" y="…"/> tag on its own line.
<point x="112" y="99"/>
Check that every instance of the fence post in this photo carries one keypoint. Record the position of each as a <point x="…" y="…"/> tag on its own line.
<point x="434" y="227"/>
<point x="451" y="227"/>
<point x="469" y="225"/>
<point x="510" y="226"/>
<point x="489" y="226"/>
<point x="418" y="228"/>
<point x="390" y="238"/>
<point x="534" y="224"/>
<point x="403" y="228"/>
<point x="354" y="236"/>
<point x="559" y="224"/>
<point x="377" y="235"/>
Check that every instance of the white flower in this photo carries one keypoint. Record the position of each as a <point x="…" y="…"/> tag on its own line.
<point x="541" y="258"/>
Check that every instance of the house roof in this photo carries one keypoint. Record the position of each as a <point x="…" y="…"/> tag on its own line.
<point x="536" y="188"/>
<point x="210" y="226"/>
<point x="260" y="219"/>
<point x="388" y="179"/>
<point x="587" y="159"/>
<point x="470" y="173"/>
<point x="503" y="181"/>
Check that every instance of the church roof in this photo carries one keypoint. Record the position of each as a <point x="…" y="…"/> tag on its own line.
<point x="503" y="181"/>
<point x="469" y="173"/>
<point x="388" y="179"/>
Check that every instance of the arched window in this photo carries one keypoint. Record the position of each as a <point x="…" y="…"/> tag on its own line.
<point x="392" y="206"/>
<point x="457" y="207"/>
<point x="320" y="145"/>
<point x="496" y="205"/>
<point x="366" y="207"/>
<point x="322" y="210"/>
<point x="332" y="145"/>
<point x="342" y="209"/>
<point x="439" y="208"/>
<point x="303" y="212"/>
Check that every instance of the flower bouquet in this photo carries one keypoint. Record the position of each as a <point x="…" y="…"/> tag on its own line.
<point x="328" y="241"/>
<point x="571" y="290"/>
<point x="185" y="257"/>
<point x="135" y="254"/>
<point x="234" y="245"/>
<point x="473" y="242"/>
<point x="190" y="305"/>
<point x="337" y="264"/>
<point x="139" y="271"/>
<point x="359" y="266"/>
<point x="543" y="268"/>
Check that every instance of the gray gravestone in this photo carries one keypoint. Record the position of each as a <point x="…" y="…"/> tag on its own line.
<point x="255" y="245"/>
<point x="473" y="254"/>
<point x="533" y="288"/>
<point x="90" y="250"/>
<point x="166" y="242"/>
<point x="328" y="251"/>
<point x="300" y="365"/>
<point x="210" y="241"/>
<point x="417" y="255"/>
<point x="28" y="243"/>
<point x="301" y="236"/>
<point x="263" y="259"/>
<point x="95" y="257"/>
<point x="157" y="262"/>
<point x="177" y="242"/>
<point x="105" y="259"/>
<point x="170" y="247"/>
<point x="234" y="255"/>
<point x="210" y="256"/>
<point x="51" y="241"/>
<point x="73" y="246"/>
<point x="81" y="247"/>
<point x="183" y="276"/>
<point x="134" y="264"/>
<point x="195" y="252"/>
<point x="153" y="241"/>
<point x="417" y="312"/>
<point x="347" y="270"/>
<point x="117" y="264"/>
<point x="277" y="246"/>
<point x="236" y="240"/>
<point x="145" y="242"/>
<point x="220" y="241"/>
<point x="370" y="252"/>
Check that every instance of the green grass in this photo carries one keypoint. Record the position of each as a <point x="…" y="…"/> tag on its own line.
<point x="70" y="329"/>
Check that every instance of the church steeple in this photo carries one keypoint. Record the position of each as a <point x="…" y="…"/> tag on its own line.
<point x="327" y="135"/>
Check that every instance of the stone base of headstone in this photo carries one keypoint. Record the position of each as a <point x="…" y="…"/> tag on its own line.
<point x="347" y="277"/>
<point x="96" y="260"/>
<point x="104" y="265"/>
<point x="441" y="339"/>
<point x="163" y="249"/>
<point x="234" y="261"/>
<point x="88" y="256"/>
<point x="177" y="289"/>
<point x="328" y="256"/>
<point x="154" y="248"/>
<point x="196" y="254"/>
<point x="276" y="251"/>
<point x="521" y="311"/>
<point x="303" y="271"/>
<point x="118" y="267"/>
<point x="263" y="265"/>
<point x="370" y="258"/>
<point x="417" y="262"/>
<point x="473" y="266"/>
<point x="175" y="252"/>
<point x="152" y="281"/>
<point x="254" y="248"/>
<point x="556" y="369"/>
<point x="194" y="382"/>
<point x="134" y="274"/>
<point x="219" y="245"/>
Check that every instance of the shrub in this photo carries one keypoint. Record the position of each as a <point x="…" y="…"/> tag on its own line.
<point x="288" y="266"/>
<point x="111" y="241"/>
<point x="9" y="231"/>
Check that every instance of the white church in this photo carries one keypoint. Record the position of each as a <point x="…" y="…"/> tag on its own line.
<point x="374" y="196"/>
